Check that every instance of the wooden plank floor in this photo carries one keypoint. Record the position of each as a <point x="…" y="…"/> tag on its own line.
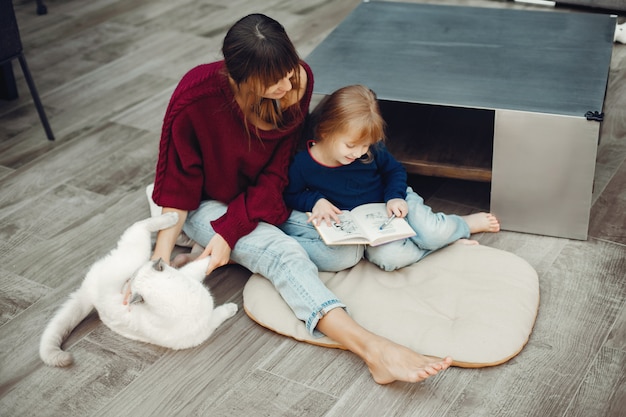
<point x="105" y="70"/>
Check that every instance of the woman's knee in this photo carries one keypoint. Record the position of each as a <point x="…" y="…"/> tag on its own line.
<point x="297" y="227"/>
<point x="330" y="258"/>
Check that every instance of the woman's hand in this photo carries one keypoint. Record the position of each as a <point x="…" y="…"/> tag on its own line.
<point x="397" y="206"/>
<point x="166" y="238"/>
<point x="219" y="250"/>
<point x="324" y="210"/>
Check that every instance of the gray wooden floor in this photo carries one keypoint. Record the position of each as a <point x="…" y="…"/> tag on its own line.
<point x="105" y="70"/>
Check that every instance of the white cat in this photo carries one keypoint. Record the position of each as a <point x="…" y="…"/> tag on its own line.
<point x="620" y="33"/>
<point x="167" y="307"/>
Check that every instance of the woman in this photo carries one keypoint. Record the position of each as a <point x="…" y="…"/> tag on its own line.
<point x="228" y="135"/>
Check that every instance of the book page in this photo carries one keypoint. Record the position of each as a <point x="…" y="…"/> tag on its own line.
<point x="347" y="231"/>
<point x="372" y="216"/>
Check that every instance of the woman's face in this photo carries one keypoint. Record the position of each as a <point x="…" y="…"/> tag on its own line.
<point x="282" y="87"/>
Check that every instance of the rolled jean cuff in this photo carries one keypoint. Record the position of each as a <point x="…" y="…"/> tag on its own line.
<point x="311" y="324"/>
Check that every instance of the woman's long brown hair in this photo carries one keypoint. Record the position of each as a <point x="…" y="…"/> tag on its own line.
<point x="257" y="51"/>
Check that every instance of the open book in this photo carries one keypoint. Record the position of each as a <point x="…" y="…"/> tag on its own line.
<point x="362" y="225"/>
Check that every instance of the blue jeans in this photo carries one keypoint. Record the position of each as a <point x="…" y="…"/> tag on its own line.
<point x="433" y="231"/>
<point x="271" y="253"/>
<point x="327" y="258"/>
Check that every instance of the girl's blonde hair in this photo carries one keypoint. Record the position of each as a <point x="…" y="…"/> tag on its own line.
<point x="353" y="108"/>
<point x="258" y="51"/>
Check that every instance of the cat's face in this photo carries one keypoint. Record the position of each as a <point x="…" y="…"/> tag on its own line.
<point x="155" y="283"/>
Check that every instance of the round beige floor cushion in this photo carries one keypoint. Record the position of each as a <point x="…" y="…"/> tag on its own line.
<point x="474" y="303"/>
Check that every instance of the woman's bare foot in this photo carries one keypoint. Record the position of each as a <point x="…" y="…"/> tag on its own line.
<point x="387" y="361"/>
<point x="482" y="222"/>
<point x="392" y="362"/>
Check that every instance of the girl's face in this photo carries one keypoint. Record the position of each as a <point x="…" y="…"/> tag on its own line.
<point x="347" y="147"/>
<point x="282" y="87"/>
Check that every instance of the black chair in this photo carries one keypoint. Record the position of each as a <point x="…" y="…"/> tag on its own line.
<point x="41" y="7"/>
<point x="10" y="49"/>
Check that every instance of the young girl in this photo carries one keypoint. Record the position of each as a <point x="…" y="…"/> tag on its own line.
<point x="228" y="135"/>
<point x="348" y="165"/>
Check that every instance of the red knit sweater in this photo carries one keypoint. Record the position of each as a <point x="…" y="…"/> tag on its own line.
<point x="206" y="154"/>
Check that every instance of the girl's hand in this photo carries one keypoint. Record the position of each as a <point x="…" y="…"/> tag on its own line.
<point x="397" y="206"/>
<point x="219" y="251"/>
<point x="324" y="210"/>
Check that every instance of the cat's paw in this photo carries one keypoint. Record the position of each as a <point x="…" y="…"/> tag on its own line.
<point x="230" y="309"/>
<point x="154" y="224"/>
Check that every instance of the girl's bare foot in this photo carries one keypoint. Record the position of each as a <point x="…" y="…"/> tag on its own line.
<point x="482" y="222"/>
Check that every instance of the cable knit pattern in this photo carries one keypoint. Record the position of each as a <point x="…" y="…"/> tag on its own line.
<point x="206" y="153"/>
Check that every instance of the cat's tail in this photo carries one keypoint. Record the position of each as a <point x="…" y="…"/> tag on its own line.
<point x="73" y="311"/>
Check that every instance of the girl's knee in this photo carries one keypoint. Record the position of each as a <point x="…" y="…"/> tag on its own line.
<point x="394" y="255"/>
<point x="440" y="231"/>
<point x="337" y="258"/>
<point x="388" y="265"/>
<point x="385" y="266"/>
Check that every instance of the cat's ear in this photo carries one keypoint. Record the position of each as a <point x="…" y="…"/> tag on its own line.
<point x="135" y="298"/>
<point x="158" y="265"/>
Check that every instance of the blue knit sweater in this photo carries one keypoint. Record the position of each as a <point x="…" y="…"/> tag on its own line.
<point x="345" y="186"/>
